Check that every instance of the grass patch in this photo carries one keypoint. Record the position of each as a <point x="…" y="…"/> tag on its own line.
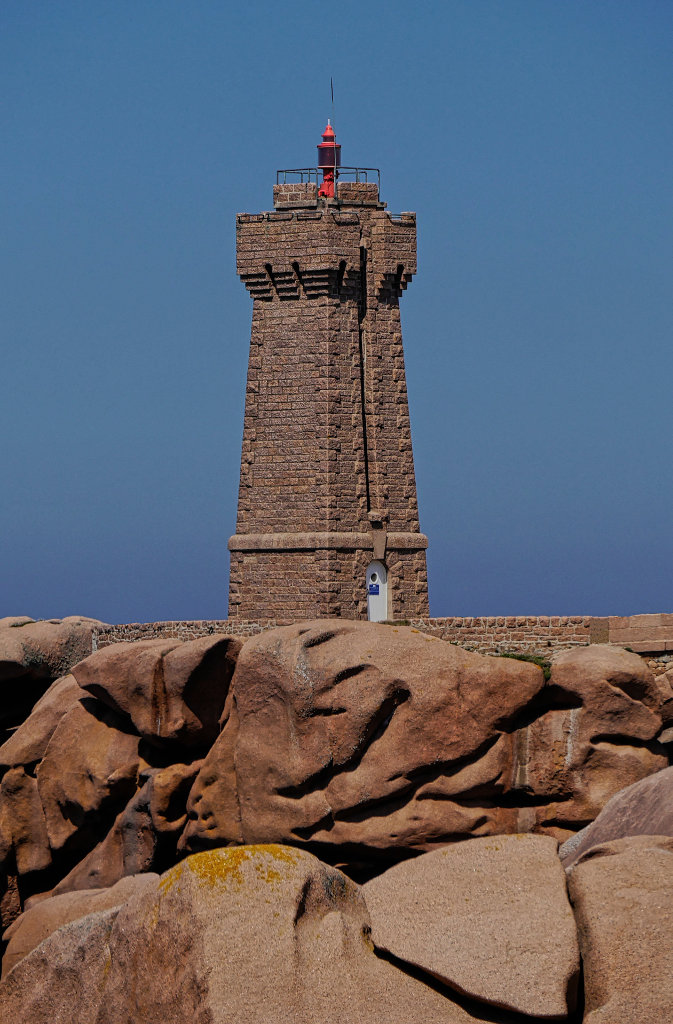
<point x="536" y="659"/>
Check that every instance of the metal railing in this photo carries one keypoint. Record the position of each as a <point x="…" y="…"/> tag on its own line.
<point x="315" y="174"/>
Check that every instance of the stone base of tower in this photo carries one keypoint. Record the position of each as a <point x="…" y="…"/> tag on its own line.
<point x="305" y="576"/>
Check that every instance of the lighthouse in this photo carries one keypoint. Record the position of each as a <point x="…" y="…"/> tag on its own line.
<point x="327" y="521"/>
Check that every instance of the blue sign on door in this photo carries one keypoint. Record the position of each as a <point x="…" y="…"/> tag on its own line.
<point x="373" y="588"/>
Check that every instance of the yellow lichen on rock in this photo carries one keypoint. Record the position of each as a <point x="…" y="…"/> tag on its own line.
<point x="167" y="881"/>
<point x="222" y="866"/>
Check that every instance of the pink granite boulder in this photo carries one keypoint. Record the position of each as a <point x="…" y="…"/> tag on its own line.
<point x="42" y="920"/>
<point x="24" y="838"/>
<point x="89" y="767"/>
<point x="170" y="690"/>
<point x="595" y="730"/>
<point x="643" y="809"/>
<point x="488" y="917"/>
<point x="143" y="833"/>
<point x="34" y="654"/>
<point x="622" y="892"/>
<point x="28" y="743"/>
<point x="252" y="934"/>
<point x="360" y="735"/>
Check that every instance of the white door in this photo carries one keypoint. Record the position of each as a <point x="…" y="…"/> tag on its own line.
<point x="377" y="592"/>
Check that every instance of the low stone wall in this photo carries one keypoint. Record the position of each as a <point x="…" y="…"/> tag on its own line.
<point x="528" y="634"/>
<point x="184" y="630"/>
<point x="492" y="635"/>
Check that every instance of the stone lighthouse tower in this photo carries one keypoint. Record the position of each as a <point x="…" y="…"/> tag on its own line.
<point x="327" y="511"/>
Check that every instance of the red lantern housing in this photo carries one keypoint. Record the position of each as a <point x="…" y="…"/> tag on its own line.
<point x="329" y="158"/>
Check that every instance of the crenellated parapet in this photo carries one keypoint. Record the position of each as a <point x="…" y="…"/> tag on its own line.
<point x="294" y="254"/>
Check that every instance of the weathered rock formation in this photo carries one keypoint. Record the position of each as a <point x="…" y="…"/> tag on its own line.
<point x="39" y="922"/>
<point x="364" y="744"/>
<point x="643" y="809"/>
<point x="169" y="691"/>
<point x="602" y="738"/>
<point x="623" y="897"/>
<point x="34" y="654"/>
<point x="95" y="787"/>
<point x="360" y="736"/>
<point x="376" y="737"/>
<point x="489" y="918"/>
<point x="252" y="934"/>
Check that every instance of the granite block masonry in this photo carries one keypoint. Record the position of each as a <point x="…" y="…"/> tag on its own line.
<point x="327" y="485"/>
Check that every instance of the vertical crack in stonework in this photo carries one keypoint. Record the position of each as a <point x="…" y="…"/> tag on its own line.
<point x="362" y="313"/>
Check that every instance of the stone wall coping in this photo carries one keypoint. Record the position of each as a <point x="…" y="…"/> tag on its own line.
<point x="308" y="212"/>
<point x="647" y="620"/>
<point x="642" y="633"/>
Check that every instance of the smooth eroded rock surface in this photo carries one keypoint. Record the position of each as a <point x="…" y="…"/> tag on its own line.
<point x="622" y="892"/>
<point x="144" y="832"/>
<point x="362" y="735"/>
<point x="23" y="827"/>
<point x="34" y="654"/>
<point x="490" y="917"/>
<point x="362" y="742"/>
<point x="365" y="741"/>
<point x="594" y="731"/>
<point x="643" y="809"/>
<point x="28" y="743"/>
<point x="61" y="980"/>
<point x="89" y="762"/>
<point x="252" y="934"/>
<point x="170" y="690"/>
<point x="42" y="920"/>
<point x="90" y="791"/>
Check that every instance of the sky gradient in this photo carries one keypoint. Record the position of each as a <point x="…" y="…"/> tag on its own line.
<point x="533" y="139"/>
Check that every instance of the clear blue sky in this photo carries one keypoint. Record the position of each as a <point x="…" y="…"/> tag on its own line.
<point x="534" y="139"/>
